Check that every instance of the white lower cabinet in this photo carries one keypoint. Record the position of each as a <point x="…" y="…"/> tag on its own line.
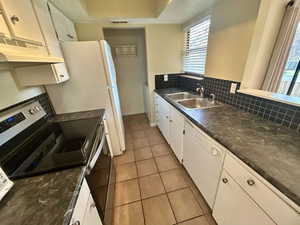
<point x="236" y="193"/>
<point x="176" y="132"/>
<point x="91" y="214"/>
<point x="203" y="160"/>
<point x="234" y="207"/>
<point x="85" y="211"/>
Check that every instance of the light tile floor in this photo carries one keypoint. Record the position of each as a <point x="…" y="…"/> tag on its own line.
<point x="152" y="187"/>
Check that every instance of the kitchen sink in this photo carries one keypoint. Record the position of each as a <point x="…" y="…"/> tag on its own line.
<point x="182" y="96"/>
<point x="199" y="103"/>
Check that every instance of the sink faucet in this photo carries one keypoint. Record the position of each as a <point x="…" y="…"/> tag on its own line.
<point x="212" y="97"/>
<point x="200" y="91"/>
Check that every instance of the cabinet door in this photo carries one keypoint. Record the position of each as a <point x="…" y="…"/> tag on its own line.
<point x="3" y="27"/>
<point x="176" y="132"/>
<point x="203" y="161"/>
<point x="22" y="20"/>
<point x="81" y="204"/>
<point x="59" y="69"/>
<point x="64" y="27"/>
<point x="165" y="120"/>
<point x="234" y="207"/>
<point x="91" y="214"/>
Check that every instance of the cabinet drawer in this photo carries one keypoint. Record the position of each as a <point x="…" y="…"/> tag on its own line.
<point x="263" y="195"/>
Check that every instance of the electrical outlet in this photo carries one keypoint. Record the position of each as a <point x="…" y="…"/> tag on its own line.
<point x="233" y="88"/>
<point x="166" y="77"/>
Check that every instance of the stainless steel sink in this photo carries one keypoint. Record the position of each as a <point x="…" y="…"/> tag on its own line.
<point x="182" y="96"/>
<point x="199" y="103"/>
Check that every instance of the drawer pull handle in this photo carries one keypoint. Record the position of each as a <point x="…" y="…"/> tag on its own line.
<point x="171" y="121"/>
<point x="76" y="223"/>
<point x="251" y="182"/>
<point x="225" y="180"/>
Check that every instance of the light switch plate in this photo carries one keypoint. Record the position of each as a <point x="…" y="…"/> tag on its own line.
<point x="166" y="77"/>
<point x="233" y="88"/>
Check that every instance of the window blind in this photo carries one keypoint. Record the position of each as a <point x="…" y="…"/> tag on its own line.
<point x="195" y="49"/>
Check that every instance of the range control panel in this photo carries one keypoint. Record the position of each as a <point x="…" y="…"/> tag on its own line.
<point x="11" y="121"/>
<point x="16" y="120"/>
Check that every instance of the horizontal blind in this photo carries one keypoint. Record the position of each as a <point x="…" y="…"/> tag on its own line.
<point x="196" y="40"/>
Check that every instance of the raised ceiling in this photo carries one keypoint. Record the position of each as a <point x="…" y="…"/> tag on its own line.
<point x="135" y="11"/>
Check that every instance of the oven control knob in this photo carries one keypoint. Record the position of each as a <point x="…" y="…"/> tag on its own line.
<point x="31" y="111"/>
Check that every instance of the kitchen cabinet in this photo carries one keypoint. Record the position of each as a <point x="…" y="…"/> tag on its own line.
<point x="4" y="31"/>
<point x="203" y="159"/>
<point x="91" y="216"/>
<point x="261" y="192"/>
<point x="234" y="207"/>
<point x="163" y="114"/>
<point x="85" y="211"/>
<point x="44" y="74"/>
<point x="176" y="132"/>
<point x="22" y="21"/>
<point x="64" y="27"/>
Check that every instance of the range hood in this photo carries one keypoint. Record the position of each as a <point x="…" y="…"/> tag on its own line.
<point x="8" y="56"/>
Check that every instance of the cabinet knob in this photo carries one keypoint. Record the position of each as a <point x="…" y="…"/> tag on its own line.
<point x="76" y="223"/>
<point x="250" y="182"/>
<point x="14" y="19"/>
<point x="225" y="180"/>
<point x="70" y="36"/>
<point x="171" y="121"/>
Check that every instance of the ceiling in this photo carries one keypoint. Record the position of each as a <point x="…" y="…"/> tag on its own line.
<point x="175" y="11"/>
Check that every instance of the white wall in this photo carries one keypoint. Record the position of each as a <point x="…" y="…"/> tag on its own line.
<point x="11" y="93"/>
<point x="232" y="28"/>
<point x="131" y="70"/>
<point x="164" y="45"/>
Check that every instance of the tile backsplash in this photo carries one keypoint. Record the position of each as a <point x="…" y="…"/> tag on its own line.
<point x="284" y="114"/>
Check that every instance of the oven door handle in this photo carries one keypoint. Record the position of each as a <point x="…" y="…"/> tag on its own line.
<point x="93" y="161"/>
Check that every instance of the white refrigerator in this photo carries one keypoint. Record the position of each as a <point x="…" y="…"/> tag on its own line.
<point x="92" y="85"/>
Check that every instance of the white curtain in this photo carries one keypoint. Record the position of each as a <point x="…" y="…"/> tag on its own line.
<point x="282" y="47"/>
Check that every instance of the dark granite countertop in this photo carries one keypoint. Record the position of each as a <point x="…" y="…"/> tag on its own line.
<point x="48" y="199"/>
<point x="270" y="149"/>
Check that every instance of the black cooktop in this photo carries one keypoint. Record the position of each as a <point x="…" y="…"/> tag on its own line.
<point x="48" y="145"/>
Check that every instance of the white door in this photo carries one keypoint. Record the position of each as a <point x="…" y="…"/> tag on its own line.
<point x="203" y="161"/>
<point x="176" y="132"/>
<point x="234" y="207"/>
<point x="64" y="27"/>
<point x="22" y="20"/>
<point x="91" y="214"/>
<point x="113" y="91"/>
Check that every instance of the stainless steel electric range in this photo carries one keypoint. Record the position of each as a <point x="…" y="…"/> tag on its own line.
<point x="32" y="144"/>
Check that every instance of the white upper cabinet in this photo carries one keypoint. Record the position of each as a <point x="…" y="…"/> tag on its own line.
<point x="4" y="31"/>
<point x="64" y="27"/>
<point x="22" y="21"/>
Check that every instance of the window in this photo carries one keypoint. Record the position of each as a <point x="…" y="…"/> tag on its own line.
<point x="290" y="81"/>
<point x="196" y="40"/>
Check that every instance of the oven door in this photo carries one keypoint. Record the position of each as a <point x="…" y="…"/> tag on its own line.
<point x="101" y="180"/>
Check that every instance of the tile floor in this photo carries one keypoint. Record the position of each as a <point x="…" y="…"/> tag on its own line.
<point x="152" y="186"/>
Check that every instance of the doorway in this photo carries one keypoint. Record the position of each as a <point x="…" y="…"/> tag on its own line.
<point x="129" y="54"/>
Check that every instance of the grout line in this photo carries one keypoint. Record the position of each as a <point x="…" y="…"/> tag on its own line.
<point x="166" y="193"/>
<point x="140" y="190"/>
